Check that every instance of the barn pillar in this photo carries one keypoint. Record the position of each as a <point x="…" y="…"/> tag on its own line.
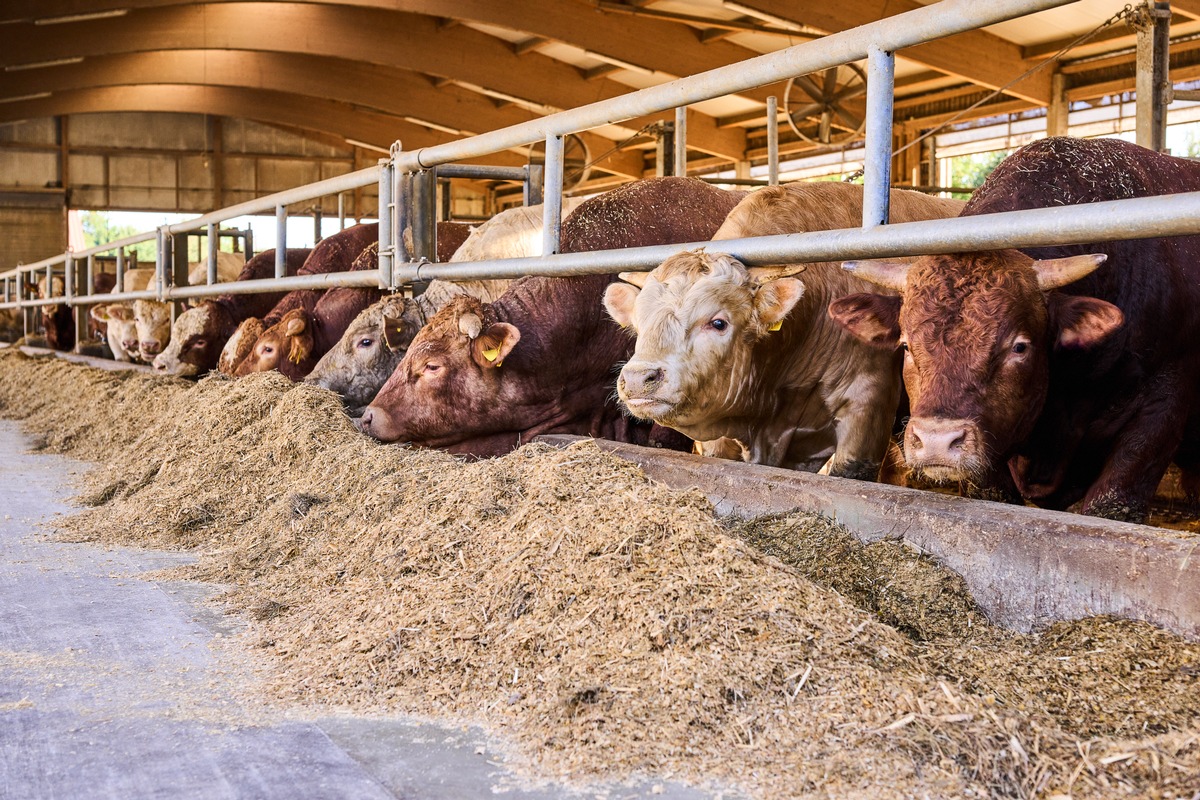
<point x="1153" y="31"/>
<point x="1056" y="112"/>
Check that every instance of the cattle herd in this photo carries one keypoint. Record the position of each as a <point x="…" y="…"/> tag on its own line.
<point x="1060" y="376"/>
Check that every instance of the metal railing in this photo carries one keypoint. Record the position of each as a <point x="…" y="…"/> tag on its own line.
<point x="406" y="177"/>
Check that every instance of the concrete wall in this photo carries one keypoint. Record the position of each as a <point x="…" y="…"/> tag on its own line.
<point x="31" y="233"/>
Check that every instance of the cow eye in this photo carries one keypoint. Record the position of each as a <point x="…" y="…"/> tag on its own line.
<point x="904" y="347"/>
<point x="199" y="343"/>
<point x="718" y="324"/>
<point x="1020" y="346"/>
<point x="432" y="368"/>
<point x="267" y="350"/>
<point x="365" y="343"/>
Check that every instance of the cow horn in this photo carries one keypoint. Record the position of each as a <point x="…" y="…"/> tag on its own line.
<point x="470" y="324"/>
<point x="638" y="279"/>
<point x="888" y="274"/>
<point x="1055" y="272"/>
<point x="766" y="274"/>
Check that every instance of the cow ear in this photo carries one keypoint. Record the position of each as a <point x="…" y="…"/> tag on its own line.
<point x="775" y="299"/>
<point x="121" y="312"/>
<point x="494" y="344"/>
<point x="1084" y="322"/>
<point x="398" y="332"/>
<point x="295" y="326"/>
<point x="618" y="300"/>
<point x="873" y="318"/>
<point x="99" y="313"/>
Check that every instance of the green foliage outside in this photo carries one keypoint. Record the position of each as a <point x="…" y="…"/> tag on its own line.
<point x="971" y="171"/>
<point x="99" y="230"/>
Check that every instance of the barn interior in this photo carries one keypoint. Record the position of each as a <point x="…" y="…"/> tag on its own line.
<point x="946" y="648"/>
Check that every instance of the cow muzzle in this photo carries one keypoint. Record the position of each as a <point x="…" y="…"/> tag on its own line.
<point x="376" y="422"/>
<point x="943" y="450"/>
<point x="641" y="388"/>
<point x="150" y="348"/>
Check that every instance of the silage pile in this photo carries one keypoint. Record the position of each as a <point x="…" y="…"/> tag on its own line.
<point x="607" y="625"/>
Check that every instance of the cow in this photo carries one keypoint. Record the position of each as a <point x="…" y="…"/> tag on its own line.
<point x="751" y="354"/>
<point x="120" y="330"/>
<point x="378" y="338"/>
<point x="1059" y="374"/>
<point x="200" y="332"/>
<point x="325" y="325"/>
<point x="335" y="253"/>
<point x="481" y="378"/>
<point x="58" y="319"/>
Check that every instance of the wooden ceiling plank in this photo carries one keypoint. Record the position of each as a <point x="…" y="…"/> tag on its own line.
<point x="406" y="41"/>
<point x="977" y="56"/>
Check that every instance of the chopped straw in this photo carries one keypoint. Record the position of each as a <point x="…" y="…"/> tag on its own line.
<point x="600" y="622"/>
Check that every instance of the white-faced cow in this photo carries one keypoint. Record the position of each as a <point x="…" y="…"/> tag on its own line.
<point x="481" y="378"/>
<point x="1067" y="373"/>
<point x="751" y="355"/>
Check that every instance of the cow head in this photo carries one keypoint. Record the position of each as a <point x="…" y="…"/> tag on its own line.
<point x="196" y="340"/>
<point x="239" y="345"/>
<point x="120" y="330"/>
<point x="153" y="327"/>
<point x="697" y="318"/>
<point x="367" y="354"/>
<point x="286" y="346"/>
<point x="977" y="331"/>
<point x="452" y="372"/>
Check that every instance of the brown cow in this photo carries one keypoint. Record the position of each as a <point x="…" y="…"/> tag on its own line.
<point x="357" y="366"/>
<point x="200" y="333"/>
<point x="750" y="354"/>
<point x="1072" y="376"/>
<point x="481" y="378"/>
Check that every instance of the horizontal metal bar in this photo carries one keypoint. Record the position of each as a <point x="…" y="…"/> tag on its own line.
<point x="329" y="186"/>
<point x="481" y="172"/>
<point x="921" y="25"/>
<point x="365" y="279"/>
<point x="1143" y="217"/>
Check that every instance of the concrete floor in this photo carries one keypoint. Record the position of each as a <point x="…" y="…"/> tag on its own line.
<point x="110" y="687"/>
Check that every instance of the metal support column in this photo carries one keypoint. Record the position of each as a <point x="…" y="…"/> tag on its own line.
<point x="179" y="270"/>
<point x="120" y="286"/>
<point x="1152" y="82"/>
<point x="535" y="174"/>
<point x="81" y="275"/>
<point x="877" y="175"/>
<point x="341" y="211"/>
<point x="280" y="240"/>
<point x="162" y="254"/>
<point x="680" y="161"/>
<point x="773" y="140"/>
<point x="317" y="217"/>
<point x="386" y="251"/>
<point x="214" y="243"/>
<point x="552" y="202"/>
<point x="445" y="201"/>
<point x="424" y="211"/>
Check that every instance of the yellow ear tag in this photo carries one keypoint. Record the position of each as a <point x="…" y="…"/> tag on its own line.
<point x="491" y="355"/>
<point x="776" y="326"/>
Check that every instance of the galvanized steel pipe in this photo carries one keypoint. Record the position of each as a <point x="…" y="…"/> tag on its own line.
<point x="772" y="141"/>
<point x="280" y="240"/>
<point x="680" y="166"/>
<point x="213" y="245"/>
<point x="877" y="169"/>
<point x="552" y="199"/>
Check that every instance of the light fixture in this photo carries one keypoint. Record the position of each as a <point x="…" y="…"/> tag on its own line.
<point x="424" y="123"/>
<point x="366" y="146"/>
<point x="91" y="15"/>
<point x="38" y="96"/>
<point x="616" y="62"/>
<point x="58" y="62"/>
<point x="763" y="15"/>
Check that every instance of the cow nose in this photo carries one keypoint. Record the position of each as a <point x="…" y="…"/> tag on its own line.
<point x="131" y="346"/>
<point x="159" y="366"/>
<point x="364" y="422"/>
<point x="641" y="381"/>
<point x="153" y="348"/>
<point x="937" y="439"/>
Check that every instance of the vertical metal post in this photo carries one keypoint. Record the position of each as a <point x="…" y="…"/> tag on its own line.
<point x="386" y="251"/>
<point x="1153" y="30"/>
<point x="445" y="201"/>
<point x="90" y="275"/>
<point x="317" y="218"/>
<point x="877" y="174"/>
<point x="214" y="243"/>
<point x="162" y="243"/>
<point x="24" y="292"/>
<point x="773" y="140"/>
<point x="81" y="277"/>
<point x="402" y="214"/>
<point x="120" y="287"/>
<point x="552" y="200"/>
<point x="248" y="242"/>
<point x="424" y="208"/>
<point x="341" y="211"/>
<point x="535" y="174"/>
<point x="280" y="241"/>
<point x="680" y="164"/>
